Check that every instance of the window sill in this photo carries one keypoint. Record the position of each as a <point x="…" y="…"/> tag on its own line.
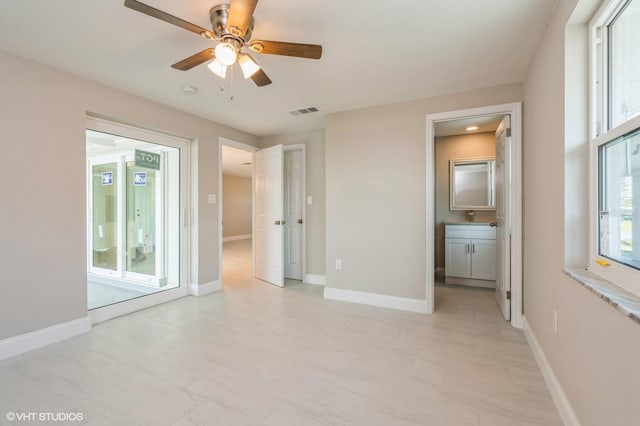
<point x="624" y="301"/>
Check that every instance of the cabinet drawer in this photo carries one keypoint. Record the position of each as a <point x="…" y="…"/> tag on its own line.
<point x="485" y="232"/>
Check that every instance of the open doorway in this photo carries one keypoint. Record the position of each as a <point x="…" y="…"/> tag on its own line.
<point x="236" y="206"/>
<point x="465" y="207"/>
<point x="474" y="229"/>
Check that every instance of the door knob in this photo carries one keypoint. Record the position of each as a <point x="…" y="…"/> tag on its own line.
<point x="299" y="220"/>
<point x="494" y="224"/>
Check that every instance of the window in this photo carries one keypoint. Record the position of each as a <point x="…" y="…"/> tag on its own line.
<point x="615" y="106"/>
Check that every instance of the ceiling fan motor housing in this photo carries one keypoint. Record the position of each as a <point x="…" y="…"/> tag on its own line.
<point x="219" y="16"/>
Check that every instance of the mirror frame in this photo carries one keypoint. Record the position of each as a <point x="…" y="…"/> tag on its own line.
<point x="490" y="161"/>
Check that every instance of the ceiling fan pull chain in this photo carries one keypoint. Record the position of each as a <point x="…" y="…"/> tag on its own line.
<point x="232" y="79"/>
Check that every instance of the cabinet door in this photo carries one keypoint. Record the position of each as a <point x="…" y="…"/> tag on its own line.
<point x="457" y="257"/>
<point x="483" y="263"/>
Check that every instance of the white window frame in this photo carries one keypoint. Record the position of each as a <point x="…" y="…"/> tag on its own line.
<point x="617" y="273"/>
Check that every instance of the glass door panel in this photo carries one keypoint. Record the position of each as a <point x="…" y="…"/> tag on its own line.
<point x="141" y="220"/>
<point x="104" y="216"/>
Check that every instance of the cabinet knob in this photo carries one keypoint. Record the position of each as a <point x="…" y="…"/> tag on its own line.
<point x="493" y="224"/>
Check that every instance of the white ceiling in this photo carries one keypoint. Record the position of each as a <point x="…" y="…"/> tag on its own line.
<point x="375" y="52"/>
<point x="484" y="124"/>
<point x="234" y="162"/>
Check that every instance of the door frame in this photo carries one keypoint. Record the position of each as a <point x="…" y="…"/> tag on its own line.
<point x="222" y="141"/>
<point x="184" y="144"/>
<point x="515" y="189"/>
<point x="303" y="242"/>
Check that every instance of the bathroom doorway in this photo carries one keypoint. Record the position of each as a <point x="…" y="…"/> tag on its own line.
<point x="448" y="140"/>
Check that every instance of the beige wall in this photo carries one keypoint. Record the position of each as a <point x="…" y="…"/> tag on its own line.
<point x="375" y="171"/>
<point x="596" y="351"/>
<point x="236" y="206"/>
<point x="314" y="142"/>
<point x="43" y="228"/>
<point x="460" y="147"/>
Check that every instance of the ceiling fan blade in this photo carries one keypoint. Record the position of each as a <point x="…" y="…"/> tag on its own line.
<point x="298" y="50"/>
<point x="240" y="15"/>
<point x="195" y="60"/>
<point x="260" y="78"/>
<point x="163" y="16"/>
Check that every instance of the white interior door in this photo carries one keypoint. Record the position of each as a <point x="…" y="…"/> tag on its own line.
<point x="269" y="217"/>
<point x="293" y="205"/>
<point x="503" y="220"/>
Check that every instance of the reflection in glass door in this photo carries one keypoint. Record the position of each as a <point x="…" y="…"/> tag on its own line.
<point x="144" y="205"/>
<point x="104" y="221"/>
<point x="134" y="218"/>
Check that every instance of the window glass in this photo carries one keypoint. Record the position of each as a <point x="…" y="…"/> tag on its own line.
<point x="619" y="199"/>
<point x="624" y="64"/>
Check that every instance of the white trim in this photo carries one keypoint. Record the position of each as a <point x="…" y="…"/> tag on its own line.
<point x="237" y="238"/>
<point x="380" y="300"/>
<point x="315" y="279"/>
<point x="207" y="288"/>
<point x="515" y="111"/>
<point x="46" y="336"/>
<point x="560" y="399"/>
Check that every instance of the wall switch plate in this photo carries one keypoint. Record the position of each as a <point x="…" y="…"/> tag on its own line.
<point x="212" y="198"/>
<point x="555" y="322"/>
<point x="309" y="200"/>
<point x="338" y="264"/>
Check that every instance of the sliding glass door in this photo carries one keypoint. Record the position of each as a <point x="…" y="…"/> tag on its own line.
<point x="135" y="198"/>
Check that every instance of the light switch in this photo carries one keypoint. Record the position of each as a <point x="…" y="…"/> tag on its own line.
<point x="212" y="198"/>
<point x="309" y="200"/>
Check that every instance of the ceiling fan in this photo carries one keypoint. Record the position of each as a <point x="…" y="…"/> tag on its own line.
<point x="232" y="25"/>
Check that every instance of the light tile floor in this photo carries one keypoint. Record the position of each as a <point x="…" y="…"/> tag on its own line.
<point x="255" y="354"/>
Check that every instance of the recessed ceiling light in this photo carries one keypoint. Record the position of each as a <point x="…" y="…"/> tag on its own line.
<point x="190" y="90"/>
<point x="472" y="128"/>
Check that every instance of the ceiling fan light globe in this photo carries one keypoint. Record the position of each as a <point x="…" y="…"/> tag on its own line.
<point x="218" y="68"/>
<point x="248" y="66"/>
<point x="226" y="53"/>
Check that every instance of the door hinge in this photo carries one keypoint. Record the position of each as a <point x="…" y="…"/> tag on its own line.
<point x="508" y="295"/>
<point x="509" y="132"/>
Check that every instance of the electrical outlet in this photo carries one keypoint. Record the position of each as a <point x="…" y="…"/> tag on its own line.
<point x="338" y="264"/>
<point x="555" y="322"/>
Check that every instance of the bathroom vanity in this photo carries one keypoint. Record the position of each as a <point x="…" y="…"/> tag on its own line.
<point x="470" y="254"/>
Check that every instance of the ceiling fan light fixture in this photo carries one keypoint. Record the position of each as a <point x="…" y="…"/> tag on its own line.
<point x="218" y="68"/>
<point x="248" y="65"/>
<point x="226" y="53"/>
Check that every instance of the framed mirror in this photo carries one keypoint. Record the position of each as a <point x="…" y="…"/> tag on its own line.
<point x="472" y="184"/>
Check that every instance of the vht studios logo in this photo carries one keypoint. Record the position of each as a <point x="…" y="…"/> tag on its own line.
<point x="44" y="417"/>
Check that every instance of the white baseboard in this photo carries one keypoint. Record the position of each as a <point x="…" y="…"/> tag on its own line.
<point x="237" y="237"/>
<point x="381" y="300"/>
<point x="36" y="339"/>
<point x="560" y="399"/>
<point x="207" y="288"/>
<point x="315" y="279"/>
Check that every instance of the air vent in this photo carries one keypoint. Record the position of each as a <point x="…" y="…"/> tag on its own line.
<point x="302" y="111"/>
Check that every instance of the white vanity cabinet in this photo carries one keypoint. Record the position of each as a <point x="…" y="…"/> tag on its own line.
<point x="470" y="255"/>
